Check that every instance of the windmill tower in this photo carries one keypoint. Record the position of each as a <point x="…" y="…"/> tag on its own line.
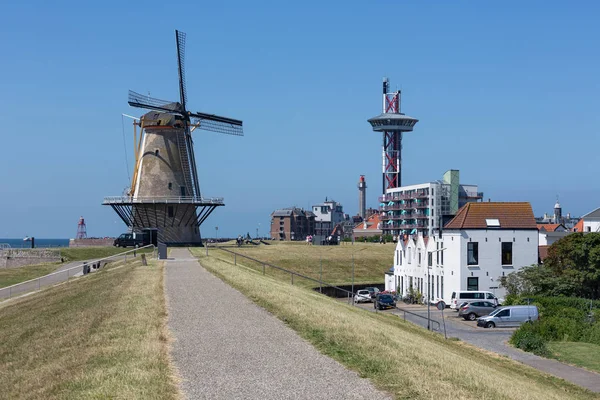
<point x="165" y="193"/>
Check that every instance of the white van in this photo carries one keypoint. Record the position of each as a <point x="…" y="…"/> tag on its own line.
<point x="469" y="296"/>
<point x="509" y="316"/>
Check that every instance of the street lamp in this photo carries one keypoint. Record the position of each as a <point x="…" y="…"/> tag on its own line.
<point x="429" y="266"/>
<point x="216" y="234"/>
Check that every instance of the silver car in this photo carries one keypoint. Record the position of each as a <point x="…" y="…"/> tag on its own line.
<point x="362" y="296"/>
<point x="470" y="311"/>
<point x="509" y="316"/>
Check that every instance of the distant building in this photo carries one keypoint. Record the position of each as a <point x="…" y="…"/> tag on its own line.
<point x="557" y="218"/>
<point x="550" y="233"/>
<point x="482" y="243"/>
<point x="292" y="223"/>
<point x="420" y="208"/>
<point x="327" y="215"/>
<point x="590" y="222"/>
<point x="369" y="228"/>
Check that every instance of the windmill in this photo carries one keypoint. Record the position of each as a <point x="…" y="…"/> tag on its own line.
<point x="165" y="192"/>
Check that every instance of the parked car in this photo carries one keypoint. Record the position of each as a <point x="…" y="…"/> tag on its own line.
<point x="470" y="311"/>
<point x="384" y="301"/>
<point x="509" y="316"/>
<point x="131" y="240"/>
<point x="362" y="295"/>
<point x="471" y="296"/>
<point x="373" y="291"/>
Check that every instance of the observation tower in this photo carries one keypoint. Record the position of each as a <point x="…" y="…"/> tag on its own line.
<point x="393" y="124"/>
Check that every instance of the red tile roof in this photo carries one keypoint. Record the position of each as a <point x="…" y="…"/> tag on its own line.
<point x="510" y="215"/>
<point x="372" y="223"/>
<point x="579" y="226"/>
<point x="548" y="227"/>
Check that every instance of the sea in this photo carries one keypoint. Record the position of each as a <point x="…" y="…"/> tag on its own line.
<point x="39" y="243"/>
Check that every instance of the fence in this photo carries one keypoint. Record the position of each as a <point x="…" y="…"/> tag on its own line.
<point x="293" y="274"/>
<point x="62" y="276"/>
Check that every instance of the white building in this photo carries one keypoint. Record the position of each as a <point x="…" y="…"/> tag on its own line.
<point x="550" y="233"/>
<point x="419" y="208"/>
<point x="591" y="221"/>
<point x="484" y="242"/>
<point x="327" y="215"/>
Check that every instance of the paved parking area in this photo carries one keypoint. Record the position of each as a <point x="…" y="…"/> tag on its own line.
<point x="494" y="340"/>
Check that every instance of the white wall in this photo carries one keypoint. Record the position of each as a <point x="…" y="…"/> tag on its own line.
<point x="489" y="269"/>
<point x="452" y="270"/>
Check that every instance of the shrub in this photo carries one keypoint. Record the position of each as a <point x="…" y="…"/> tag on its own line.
<point x="529" y="338"/>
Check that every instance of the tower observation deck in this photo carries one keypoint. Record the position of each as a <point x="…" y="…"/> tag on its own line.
<point x="393" y="124"/>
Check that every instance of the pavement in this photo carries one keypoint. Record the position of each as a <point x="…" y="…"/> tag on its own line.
<point x="226" y="347"/>
<point x="494" y="340"/>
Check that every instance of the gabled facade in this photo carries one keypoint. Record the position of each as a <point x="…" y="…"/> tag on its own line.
<point x="591" y="221"/>
<point x="484" y="242"/>
<point x="550" y="233"/>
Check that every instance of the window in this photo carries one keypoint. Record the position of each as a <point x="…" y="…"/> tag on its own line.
<point x="401" y="285"/>
<point x="437" y="280"/>
<point x="507" y="253"/>
<point x="419" y="251"/>
<point x="182" y="190"/>
<point x="156" y="152"/>
<point x="399" y="257"/>
<point x="489" y="296"/>
<point x="473" y="284"/>
<point x="170" y="185"/>
<point x="430" y="259"/>
<point x="442" y="283"/>
<point x="503" y="313"/>
<point x="473" y="253"/>
<point x="442" y="256"/>
<point x="170" y="211"/>
<point x="409" y="258"/>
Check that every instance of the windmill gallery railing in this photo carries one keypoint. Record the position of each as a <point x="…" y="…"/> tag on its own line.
<point x="163" y="200"/>
<point x="322" y="284"/>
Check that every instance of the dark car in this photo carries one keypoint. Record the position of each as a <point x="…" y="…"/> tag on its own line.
<point x="129" y="240"/>
<point x="373" y="291"/>
<point x="384" y="301"/>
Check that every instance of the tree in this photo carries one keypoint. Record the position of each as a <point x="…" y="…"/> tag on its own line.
<point x="572" y="268"/>
<point x="575" y="261"/>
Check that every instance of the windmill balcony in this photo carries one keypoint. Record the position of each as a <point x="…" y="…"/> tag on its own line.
<point x="163" y="200"/>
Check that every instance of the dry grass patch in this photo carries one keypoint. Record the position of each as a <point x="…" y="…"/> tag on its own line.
<point x="396" y="356"/>
<point x="371" y="260"/>
<point x="100" y="336"/>
<point x="12" y="276"/>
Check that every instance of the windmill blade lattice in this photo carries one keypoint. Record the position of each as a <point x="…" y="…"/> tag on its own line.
<point x="150" y="103"/>
<point x="181" y="67"/>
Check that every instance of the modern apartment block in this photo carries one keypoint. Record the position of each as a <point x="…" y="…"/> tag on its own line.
<point x="423" y="207"/>
<point x="292" y="223"/>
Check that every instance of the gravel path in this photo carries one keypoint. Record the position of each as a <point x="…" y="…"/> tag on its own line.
<point x="226" y="347"/>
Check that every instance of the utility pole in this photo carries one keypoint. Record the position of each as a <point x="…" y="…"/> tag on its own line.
<point x="352" y="278"/>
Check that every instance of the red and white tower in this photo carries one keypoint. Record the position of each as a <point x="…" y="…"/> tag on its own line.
<point x="81" y="231"/>
<point x="393" y="124"/>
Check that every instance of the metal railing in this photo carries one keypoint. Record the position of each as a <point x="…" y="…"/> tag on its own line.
<point x="36" y="284"/>
<point x="162" y="200"/>
<point x="349" y="293"/>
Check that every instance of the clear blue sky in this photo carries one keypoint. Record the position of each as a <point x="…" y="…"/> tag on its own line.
<point x="508" y="93"/>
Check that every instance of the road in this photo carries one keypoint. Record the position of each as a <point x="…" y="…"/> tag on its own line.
<point x="494" y="340"/>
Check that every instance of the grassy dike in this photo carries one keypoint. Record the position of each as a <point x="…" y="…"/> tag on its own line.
<point x="99" y="336"/>
<point x="12" y="276"/>
<point x="398" y="357"/>
<point x="371" y="260"/>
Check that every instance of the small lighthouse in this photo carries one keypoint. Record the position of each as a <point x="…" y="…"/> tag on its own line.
<point x="362" y="197"/>
<point x="81" y="229"/>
